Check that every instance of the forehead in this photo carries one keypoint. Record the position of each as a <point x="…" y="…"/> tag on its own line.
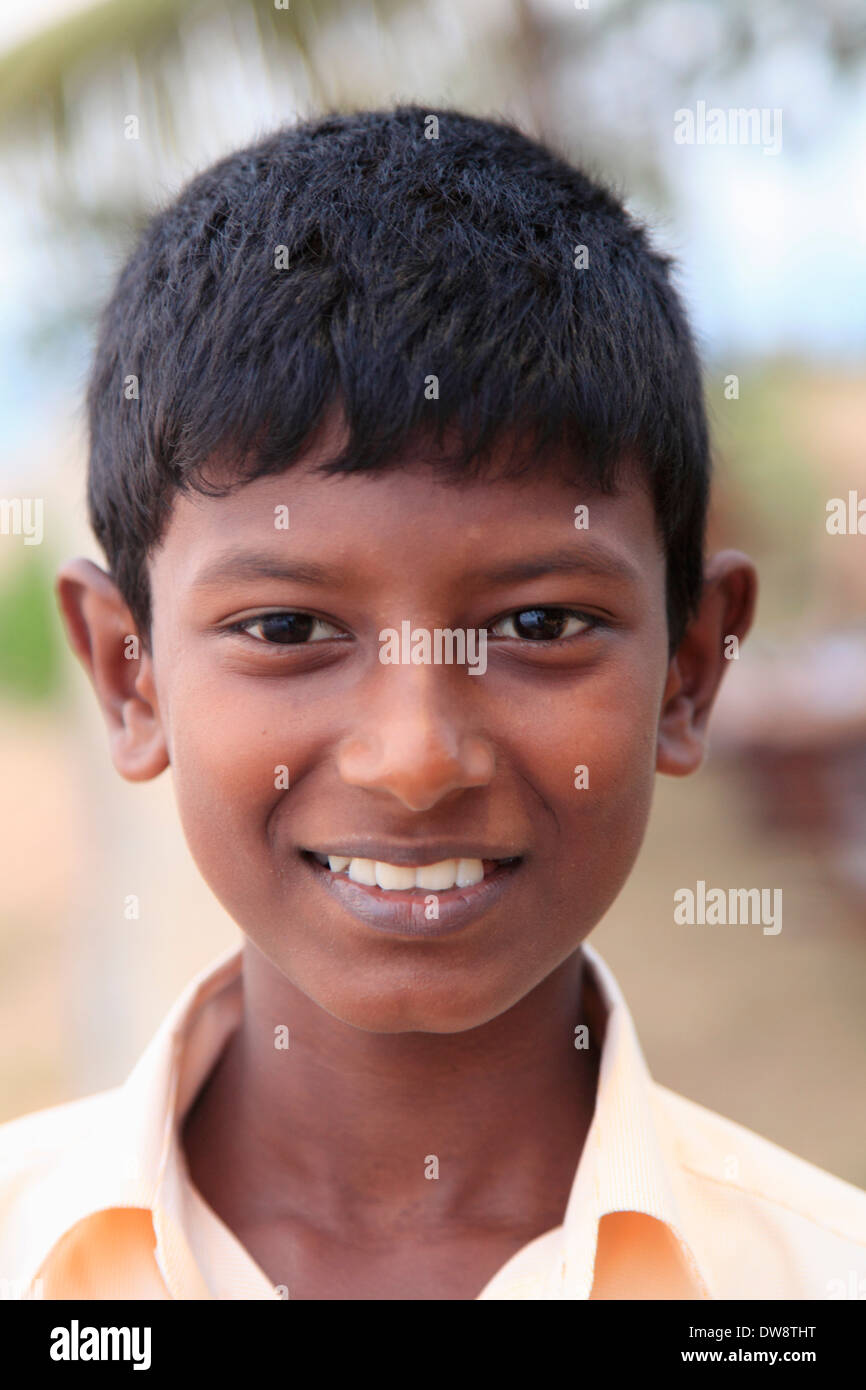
<point x="409" y="521"/>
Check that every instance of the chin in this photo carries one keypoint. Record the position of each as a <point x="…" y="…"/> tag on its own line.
<point x="400" y="1010"/>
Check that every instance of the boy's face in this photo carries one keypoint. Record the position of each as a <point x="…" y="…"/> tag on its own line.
<point x="410" y="754"/>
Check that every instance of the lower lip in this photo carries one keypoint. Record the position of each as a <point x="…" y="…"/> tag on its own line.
<point x="403" y="912"/>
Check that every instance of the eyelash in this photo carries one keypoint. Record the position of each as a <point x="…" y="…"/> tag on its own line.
<point x="592" y="621"/>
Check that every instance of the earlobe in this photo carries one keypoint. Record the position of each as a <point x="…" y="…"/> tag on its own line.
<point x="680" y="747"/>
<point x="102" y="634"/>
<point x="695" y="673"/>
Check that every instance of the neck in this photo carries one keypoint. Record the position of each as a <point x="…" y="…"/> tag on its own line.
<point x="357" y="1122"/>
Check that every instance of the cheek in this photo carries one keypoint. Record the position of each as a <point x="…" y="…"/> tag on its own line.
<point x="598" y="752"/>
<point x="596" y="745"/>
<point x="623" y="759"/>
<point x="224" y="770"/>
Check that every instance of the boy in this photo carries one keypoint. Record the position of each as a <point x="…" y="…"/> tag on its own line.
<point x="399" y="459"/>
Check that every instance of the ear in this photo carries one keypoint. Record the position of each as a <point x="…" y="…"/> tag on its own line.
<point x="695" y="673"/>
<point x="103" y="636"/>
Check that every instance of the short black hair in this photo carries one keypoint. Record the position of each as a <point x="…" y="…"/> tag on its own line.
<point x="347" y="260"/>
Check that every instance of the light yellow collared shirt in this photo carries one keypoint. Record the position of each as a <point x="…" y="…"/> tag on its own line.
<point x="669" y="1200"/>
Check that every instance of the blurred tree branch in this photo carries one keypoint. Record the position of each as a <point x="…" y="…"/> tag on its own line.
<point x="596" y="82"/>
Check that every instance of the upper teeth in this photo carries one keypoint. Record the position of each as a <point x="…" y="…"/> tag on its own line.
<point x="447" y="873"/>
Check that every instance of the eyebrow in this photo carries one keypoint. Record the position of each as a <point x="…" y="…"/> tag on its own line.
<point x="252" y="564"/>
<point x="589" y="559"/>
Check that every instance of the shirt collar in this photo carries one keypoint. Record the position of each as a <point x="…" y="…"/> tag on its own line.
<point x="629" y="1161"/>
<point x="128" y="1159"/>
<point x="124" y="1158"/>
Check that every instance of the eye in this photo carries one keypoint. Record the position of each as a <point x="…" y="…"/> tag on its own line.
<point x="545" y="624"/>
<point x="285" y="628"/>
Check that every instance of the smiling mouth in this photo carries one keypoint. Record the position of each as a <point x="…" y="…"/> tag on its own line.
<point x="443" y="876"/>
<point x="427" y="902"/>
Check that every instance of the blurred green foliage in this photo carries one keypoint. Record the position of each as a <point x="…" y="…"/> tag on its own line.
<point x="31" y="667"/>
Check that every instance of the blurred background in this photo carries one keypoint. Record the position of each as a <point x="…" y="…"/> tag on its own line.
<point x="769" y="1030"/>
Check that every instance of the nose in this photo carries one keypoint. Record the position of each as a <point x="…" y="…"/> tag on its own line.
<point x="412" y="739"/>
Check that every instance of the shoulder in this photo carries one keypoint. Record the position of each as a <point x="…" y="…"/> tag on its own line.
<point x="43" y="1163"/>
<point x="35" y="1140"/>
<point x="720" y="1152"/>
